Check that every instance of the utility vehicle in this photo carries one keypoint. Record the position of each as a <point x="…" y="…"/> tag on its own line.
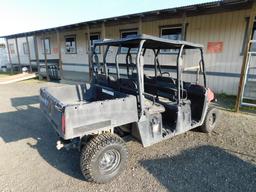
<point x="123" y="99"/>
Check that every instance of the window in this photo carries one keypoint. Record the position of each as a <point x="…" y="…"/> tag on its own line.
<point x="2" y="46"/>
<point x="94" y="38"/>
<point x="172" y="33"/>
<point x="70" y="42"/>
<point x="25" y="48"/>
<point x="11" y="48"/>
<point x="46" y="42"/>
<point x="127" y="34"/>
<point x="253" y="47"/>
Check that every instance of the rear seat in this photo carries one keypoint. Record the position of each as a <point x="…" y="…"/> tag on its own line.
<point x="161" y="86"/>
<point x="113" y="83"/>
<point x="128" y="86"/>
<point x="101" y="79"/>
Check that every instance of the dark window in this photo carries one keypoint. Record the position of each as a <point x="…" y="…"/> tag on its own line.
<point x="253" y="45"/>
<point x="128" y="34"/>
<point x="25" y="48"/>
<point x="95" y="38"/>
<point x="2" y="46"/>
<point x="46" y="42"/>
<point x="172" y="33"/>
<point x="70" y="42"/>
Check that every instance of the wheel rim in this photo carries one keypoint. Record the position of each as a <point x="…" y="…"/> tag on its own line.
<point x="109" y="161"/>
<point x="212" y="119"/>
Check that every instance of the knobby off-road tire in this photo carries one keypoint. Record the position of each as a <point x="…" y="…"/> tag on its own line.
<point x="103" y="158"/>
<point x="211" y="119"/>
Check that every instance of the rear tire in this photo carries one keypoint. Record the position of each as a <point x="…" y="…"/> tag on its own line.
<point x="103" y="158"/>
<point x="211" y="119"/>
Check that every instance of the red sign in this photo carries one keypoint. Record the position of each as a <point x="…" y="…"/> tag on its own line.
<point x="215" y="47"/>
<point x="55" y="50"/>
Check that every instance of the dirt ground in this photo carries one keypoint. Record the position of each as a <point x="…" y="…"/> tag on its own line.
<point x="224" y="160"/>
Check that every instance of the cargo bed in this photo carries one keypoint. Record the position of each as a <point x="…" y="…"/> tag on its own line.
<point x="76" y="110"/>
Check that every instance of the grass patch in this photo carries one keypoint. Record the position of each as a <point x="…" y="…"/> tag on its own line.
<point x="34" y="80"/>
<point x="228" y="102"/>
<point x="5" y="74"/>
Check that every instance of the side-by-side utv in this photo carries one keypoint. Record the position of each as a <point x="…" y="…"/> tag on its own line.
<point x="128" y="97"/>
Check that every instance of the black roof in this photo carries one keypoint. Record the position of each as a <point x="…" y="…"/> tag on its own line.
<point x="151" y="42"/>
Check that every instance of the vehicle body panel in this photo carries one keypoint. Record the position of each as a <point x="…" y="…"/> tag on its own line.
<point x="84" y="112"/>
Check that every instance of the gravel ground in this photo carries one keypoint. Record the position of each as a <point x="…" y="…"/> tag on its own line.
<point x="224" y="160"/>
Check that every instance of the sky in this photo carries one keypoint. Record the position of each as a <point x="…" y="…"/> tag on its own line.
<point x="18" y="16"/>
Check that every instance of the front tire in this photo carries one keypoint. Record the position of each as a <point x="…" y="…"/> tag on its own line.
<point x="211" y="119"/>
<point x="103" y="158"/>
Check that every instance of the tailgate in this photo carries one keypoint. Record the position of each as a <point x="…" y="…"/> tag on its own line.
<point x="54" y="110"/>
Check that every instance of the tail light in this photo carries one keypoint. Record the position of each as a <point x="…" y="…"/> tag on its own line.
<point x="63" y="123"/>
<point x="210" y="95"/>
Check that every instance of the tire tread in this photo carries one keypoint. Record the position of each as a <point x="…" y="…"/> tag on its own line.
<point x="89" y="151"/>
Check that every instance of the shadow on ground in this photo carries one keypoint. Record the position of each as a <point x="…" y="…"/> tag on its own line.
<point x="29" y="122"/>
<point x="205" y="168"/>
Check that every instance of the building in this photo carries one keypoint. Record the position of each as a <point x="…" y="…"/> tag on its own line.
<point x="3" y="57"/>
<point x="221" y="26"/>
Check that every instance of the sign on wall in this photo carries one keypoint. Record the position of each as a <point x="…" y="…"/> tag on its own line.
<point x="55" y="50"/>
<point x="215" y="47"/>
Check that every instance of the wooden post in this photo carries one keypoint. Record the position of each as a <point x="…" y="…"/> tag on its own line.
<point x="29" y="56"/>
<point x="9" y="54"/>
<point x="245" y="57"/>
<point x="103" y="30"/>
<point x="45" y="59"/>
<point x="60" y="56"/>
<point x="103" y="36"/>
<point x="36" y="54"/>
<point x="140" y="25"/>
<point x="18" y="54"/>
<point x="89" y="53"/>
<point x="184" y="26"/>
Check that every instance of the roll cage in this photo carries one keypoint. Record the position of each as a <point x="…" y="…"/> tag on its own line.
<point x="142" y="43"/>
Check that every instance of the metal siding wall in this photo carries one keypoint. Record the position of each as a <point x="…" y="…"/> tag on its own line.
<point x="32" y="47"/>
<point x="226" y="27"/>
<point x="13" y="56"/>
<point x="53" y="45"/>
<point x="23" y="57"/>
<point x="81" y="44"/>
